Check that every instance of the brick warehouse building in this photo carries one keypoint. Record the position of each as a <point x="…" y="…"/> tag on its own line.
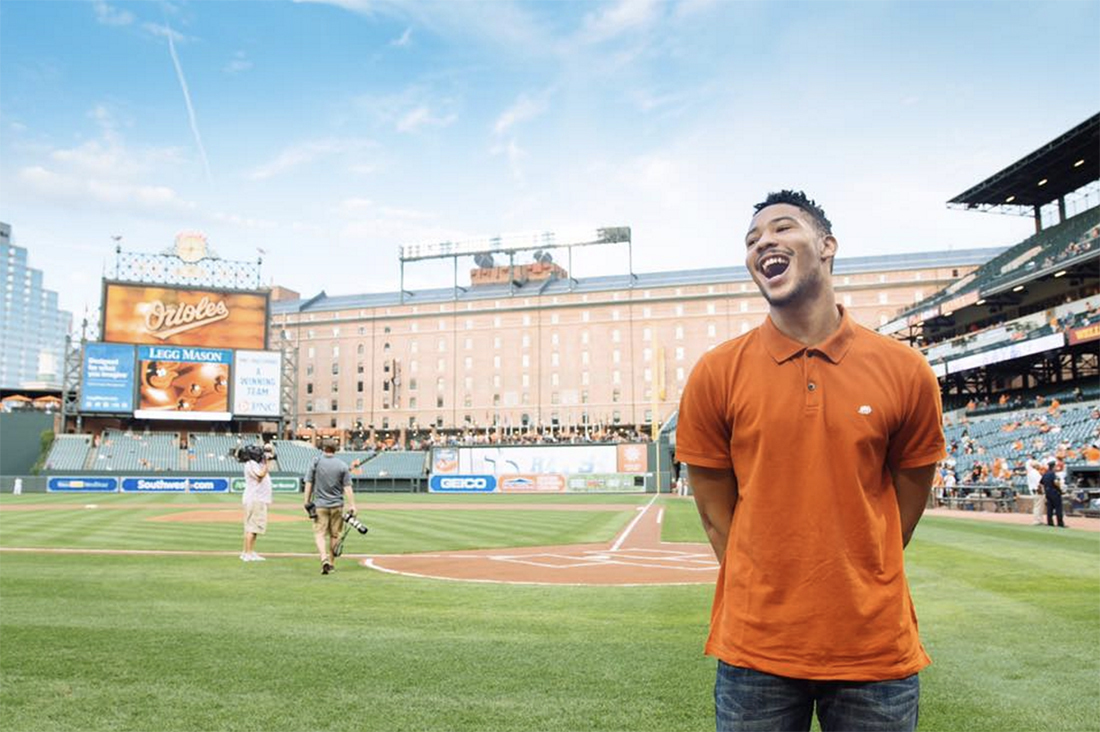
<point x="611" y="350"/>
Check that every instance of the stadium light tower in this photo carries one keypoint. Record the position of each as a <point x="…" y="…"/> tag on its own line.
<point x="483" y="248"/>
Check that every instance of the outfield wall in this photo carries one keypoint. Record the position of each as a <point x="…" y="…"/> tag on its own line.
<point x="543" y="469"/>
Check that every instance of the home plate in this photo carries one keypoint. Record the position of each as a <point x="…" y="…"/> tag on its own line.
<point x="600" y="556"/>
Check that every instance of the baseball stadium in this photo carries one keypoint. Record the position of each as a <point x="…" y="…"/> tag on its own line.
<point x="534" y="559"/>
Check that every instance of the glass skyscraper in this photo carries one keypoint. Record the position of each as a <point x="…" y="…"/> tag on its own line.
<point x="32" y="327"/>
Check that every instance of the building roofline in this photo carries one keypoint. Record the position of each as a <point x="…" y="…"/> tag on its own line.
<point x="607" y="283"/>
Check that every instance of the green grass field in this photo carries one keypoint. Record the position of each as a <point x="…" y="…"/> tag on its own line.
<point x="1010" y="615"/>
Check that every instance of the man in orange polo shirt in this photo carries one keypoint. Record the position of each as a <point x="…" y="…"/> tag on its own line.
<point x="811" y="444"/>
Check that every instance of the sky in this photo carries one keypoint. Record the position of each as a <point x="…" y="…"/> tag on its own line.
<point x="323" y="135"/>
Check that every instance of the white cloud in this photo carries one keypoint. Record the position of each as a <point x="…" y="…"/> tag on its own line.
<point x="523" y="109"/>
<point x="404" y="40"/>
<point x="359" y="207"/>
<point x="80" y="191"/>
<point x="244" y="222"/>
<point x="308" y="152"/>
<point x="515" y="155"/>
<point x="623" y="16"/>
<point x="107" y="15"/>
<point x="411" y="109"/>
<point x="422" y="117"/>
<point x="239" y="63"/>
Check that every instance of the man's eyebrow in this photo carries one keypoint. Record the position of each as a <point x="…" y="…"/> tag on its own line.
<point x="776" y="220"/>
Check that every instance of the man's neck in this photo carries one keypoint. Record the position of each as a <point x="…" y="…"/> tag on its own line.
<point x="808" y="323"/>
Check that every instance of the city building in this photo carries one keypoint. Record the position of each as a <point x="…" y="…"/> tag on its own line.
<point x="32" y="327"/>
<point x="538" y="351"/>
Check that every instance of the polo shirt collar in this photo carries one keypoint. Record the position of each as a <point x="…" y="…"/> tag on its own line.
<point x="781" y="348"/>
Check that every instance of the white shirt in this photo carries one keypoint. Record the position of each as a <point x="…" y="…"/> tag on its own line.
<point x="1033" y="476"/>
<point x="256" y="489"/>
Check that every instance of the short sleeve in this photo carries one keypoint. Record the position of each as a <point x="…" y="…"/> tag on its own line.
<point x="919" y="440"/>
<point x="702" y="429"/>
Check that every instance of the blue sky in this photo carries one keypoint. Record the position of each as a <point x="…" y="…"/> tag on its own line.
<point x="329" y="133"/>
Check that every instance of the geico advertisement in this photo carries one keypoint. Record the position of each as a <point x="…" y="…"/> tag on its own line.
<point x="177" y="382"/>
<point x="462" y="484"/>
<point x="173" y="316"/>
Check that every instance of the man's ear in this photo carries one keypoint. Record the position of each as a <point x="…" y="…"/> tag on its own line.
<point x="828" y="247"/>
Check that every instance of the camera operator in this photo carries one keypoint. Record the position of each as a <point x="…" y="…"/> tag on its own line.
<point x="327" y="486"/>
<point x="256" y="498"/>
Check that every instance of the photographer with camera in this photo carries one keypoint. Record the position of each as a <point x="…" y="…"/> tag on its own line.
<point x="256" y="498"/>
<point x="327" y="486"/>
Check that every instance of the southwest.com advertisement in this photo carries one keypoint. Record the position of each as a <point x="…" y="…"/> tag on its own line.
<point x="108" y="378"/>
<point x="184" y="317"/>
<point x="176" y="382"/>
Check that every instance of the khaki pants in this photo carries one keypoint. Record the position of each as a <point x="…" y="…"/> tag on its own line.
<point x="1038" y="508"/>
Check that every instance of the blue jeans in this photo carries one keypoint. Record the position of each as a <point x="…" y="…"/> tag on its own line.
<point x="752" y="701"/>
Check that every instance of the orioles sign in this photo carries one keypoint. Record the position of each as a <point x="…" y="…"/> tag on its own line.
<point x="184" y="317"/>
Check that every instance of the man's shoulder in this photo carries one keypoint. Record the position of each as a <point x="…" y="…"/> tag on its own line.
<point x="883" y="346"/>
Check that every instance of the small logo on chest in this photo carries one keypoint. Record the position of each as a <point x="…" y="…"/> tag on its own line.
<point x="865" y="409"/>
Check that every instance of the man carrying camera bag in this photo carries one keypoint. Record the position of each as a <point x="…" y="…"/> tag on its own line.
<point x="256" y="498"/>
<point x="327" y="485"/>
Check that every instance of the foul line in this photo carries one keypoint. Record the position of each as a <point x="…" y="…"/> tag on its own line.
<point x="630" y="527"/>
<point x="370" y="564"/>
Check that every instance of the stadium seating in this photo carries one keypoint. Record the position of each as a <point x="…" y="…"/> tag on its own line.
<point x="1045" y="249"/>
<point x="1051" y="246"/>
<point x="69" y="452"/>
<point x="137" y="453"/>
<point x="403" y="465"/>
<point x="1017" y="435"/>
<point x="213" y="453"/>
<point x="294" y="456"/>
<point x="350" y="456"/>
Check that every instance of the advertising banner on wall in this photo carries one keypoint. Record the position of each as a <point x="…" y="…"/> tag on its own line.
<point x="108" y="383"/>
<point x="633" y="458"/>
<point x="1084" y="334"/>
<point x="444" y="460"/>
<point x="256" y="378"/>
<point x="184" y="316"/>
<point x="177" y="382"/>
<point x="545" y="483"/>
<point x="161" y="484"/>
<point x="279" y="484"/>
<point x="612" y="483"/>
<point x="538" y="460"/>
<point x="462" y="484"/>
<point x="68" y="484"/>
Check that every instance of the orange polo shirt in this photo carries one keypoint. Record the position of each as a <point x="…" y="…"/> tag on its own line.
<point x="813" y="582"/>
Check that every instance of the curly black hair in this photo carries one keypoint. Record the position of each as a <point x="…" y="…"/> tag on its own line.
<point x="800" y="200"/>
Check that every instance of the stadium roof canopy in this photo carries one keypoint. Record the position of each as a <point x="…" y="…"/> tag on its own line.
<point x="1063" y="165"/>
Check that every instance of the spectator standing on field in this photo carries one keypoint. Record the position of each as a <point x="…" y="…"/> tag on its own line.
<point x="811" y="444"/>
<point x="256" y="499"/>
<point x="1034" y="470"/>
<point x="327" y="486"/>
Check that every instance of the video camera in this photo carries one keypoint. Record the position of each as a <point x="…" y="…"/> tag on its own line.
<point x="253" y="452"/>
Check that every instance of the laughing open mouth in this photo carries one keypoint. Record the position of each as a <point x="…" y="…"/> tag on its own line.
<point x="774" y="265"/>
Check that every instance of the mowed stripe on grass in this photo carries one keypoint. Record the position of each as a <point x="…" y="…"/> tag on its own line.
<point x="1009" y="614"/>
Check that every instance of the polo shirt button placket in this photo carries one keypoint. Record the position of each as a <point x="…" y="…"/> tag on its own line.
<point x="813" y="394"/>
